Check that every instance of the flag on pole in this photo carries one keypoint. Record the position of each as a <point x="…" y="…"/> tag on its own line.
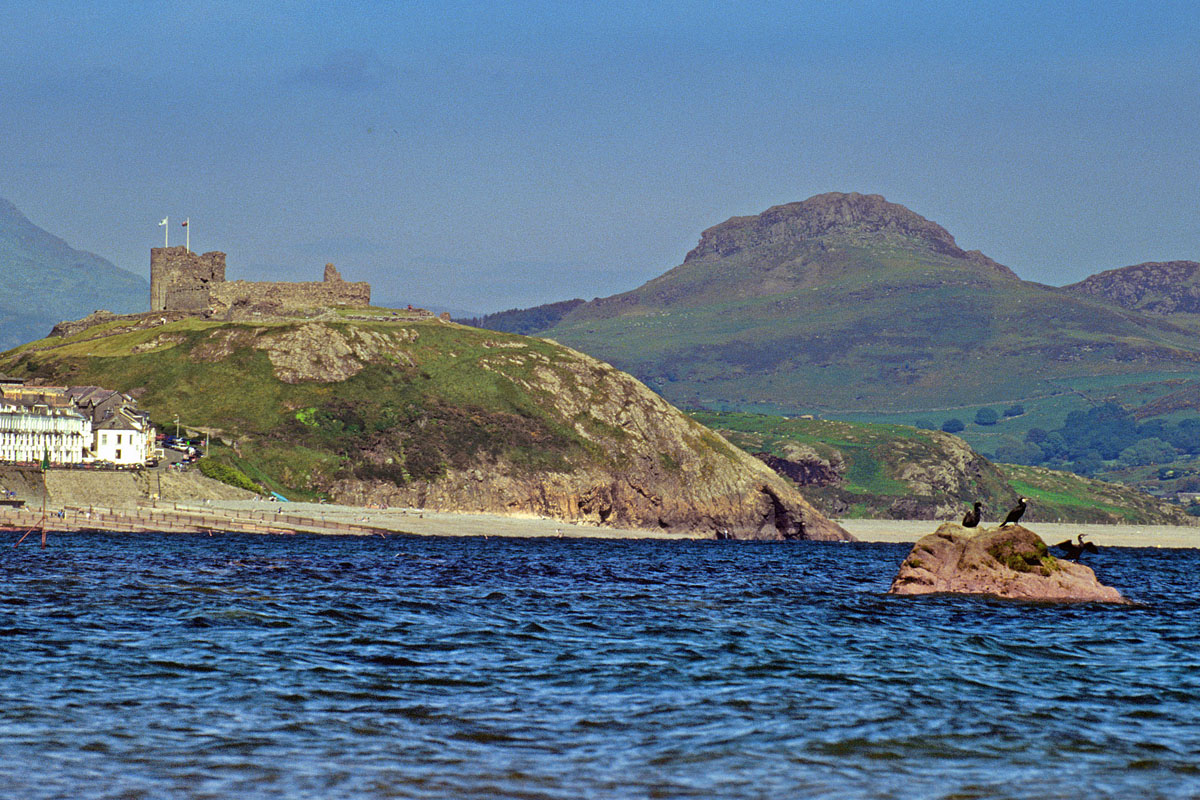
<point x="164" y="222"/>
<point x="185" y="222"/>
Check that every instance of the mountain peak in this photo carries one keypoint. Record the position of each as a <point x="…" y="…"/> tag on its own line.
<point x="48" y="280"/>
<point x="864" y="217"/>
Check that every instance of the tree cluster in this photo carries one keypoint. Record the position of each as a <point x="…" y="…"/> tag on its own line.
<point x="1103" y="436"/>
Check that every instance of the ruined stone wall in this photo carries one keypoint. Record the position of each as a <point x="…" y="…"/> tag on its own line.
<point x="277" y="298"/>
<point x="181" y="280"/>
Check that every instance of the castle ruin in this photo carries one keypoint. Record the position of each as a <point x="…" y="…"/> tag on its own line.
<point x="181" y="280"/>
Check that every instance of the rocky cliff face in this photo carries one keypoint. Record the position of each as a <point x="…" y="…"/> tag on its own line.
<point x="657" y="468"/>
<point x="1165" y="287"/>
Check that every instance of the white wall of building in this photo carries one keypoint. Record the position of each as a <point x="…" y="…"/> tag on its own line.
<point x="30" y="435"/>
<point x="123" y="447"/>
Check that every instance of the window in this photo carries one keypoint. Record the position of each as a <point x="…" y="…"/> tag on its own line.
<point x="118" y="441"/>
<point x="118" y="454"/>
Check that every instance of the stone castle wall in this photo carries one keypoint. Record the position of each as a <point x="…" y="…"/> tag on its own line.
<point x="181" y="280"/>
<point x="284" y="298"/>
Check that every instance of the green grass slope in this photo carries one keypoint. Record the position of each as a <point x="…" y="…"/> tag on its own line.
<point x="898" y="472"/>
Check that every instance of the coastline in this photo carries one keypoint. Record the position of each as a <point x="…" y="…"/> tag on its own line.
<point x="1166" y="536"/>
<point x="258" y="516"/>
<point x="424" y="522"/>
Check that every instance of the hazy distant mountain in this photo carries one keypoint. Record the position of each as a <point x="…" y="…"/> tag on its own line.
<point x="847" y="301"/>
<point x="1160" y="287"/>
<point x="524" y="320"/>
<point x="47" y="281"/>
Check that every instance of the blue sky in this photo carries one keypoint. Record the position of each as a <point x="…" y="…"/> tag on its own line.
<point x="488" y="155"/>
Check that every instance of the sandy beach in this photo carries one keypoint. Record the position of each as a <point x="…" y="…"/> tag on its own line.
<point x="444" y="523"/>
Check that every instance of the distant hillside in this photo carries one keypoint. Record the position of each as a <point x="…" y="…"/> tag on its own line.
<point x="47" y="281"/>
<point x="525" y="320"/>
<point x="434" y="415"/>
<point x="897" y="472"/>
<point x="1167" y="287"/>
<point x="848" y="303"/>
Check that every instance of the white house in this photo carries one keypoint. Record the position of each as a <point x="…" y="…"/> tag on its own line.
<point x="122" y="434"/>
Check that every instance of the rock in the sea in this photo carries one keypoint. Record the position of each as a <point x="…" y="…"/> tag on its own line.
<point x="1010" y="562"/>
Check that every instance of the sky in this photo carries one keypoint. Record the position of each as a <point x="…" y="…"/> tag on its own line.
<point x="483" y="156"/>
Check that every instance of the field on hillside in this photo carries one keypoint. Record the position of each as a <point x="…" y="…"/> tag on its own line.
<point x="900" y="472"/>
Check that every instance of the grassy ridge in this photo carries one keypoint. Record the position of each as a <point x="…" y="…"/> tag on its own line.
<point x="448" y="393"/>
<point x="895" y="471"/>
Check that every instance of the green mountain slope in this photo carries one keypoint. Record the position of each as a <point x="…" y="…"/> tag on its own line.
<point x="846" y="302"/>
<point x="897" y="472"/>
<point x="431" y="414"/>
<point x="47" y="281"/>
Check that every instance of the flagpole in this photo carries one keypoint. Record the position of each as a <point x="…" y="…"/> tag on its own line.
<point x="166" y="226"/>
<point x="188" y="233"/>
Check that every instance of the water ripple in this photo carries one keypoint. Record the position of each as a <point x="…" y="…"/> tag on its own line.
<point x="155" y="666"/>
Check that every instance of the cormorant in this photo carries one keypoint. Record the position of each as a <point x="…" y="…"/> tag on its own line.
<point x="1017" y="511"/>
<point x="1073" y="550"/>
<point x="972" y="517"/>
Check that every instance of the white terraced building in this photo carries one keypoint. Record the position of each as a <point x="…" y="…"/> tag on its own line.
<point x="75" y="425"/>
<point x="29" y="433"/>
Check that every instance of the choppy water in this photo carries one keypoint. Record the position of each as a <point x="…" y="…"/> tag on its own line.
<point x="248" y="667"/>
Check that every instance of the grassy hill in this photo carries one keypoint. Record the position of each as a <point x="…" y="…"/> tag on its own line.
<point x="899" y="472"/>
<point x="430" y="414"/>
<point x="47" y="281"/>
<point x="846" y="304"/>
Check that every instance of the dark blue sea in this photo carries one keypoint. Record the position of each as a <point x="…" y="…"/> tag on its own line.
<point x="301" y="667"/>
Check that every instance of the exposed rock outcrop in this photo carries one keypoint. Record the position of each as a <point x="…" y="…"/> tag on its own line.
<point x="806" y="467"/>
<point x="1010" y="562"/>
<point x="1160" y="287"/>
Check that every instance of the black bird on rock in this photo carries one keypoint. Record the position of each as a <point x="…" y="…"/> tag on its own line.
<point x="971" y="519"/>
<point x="1073" y="550"/>
<point x="1016" y="513"/>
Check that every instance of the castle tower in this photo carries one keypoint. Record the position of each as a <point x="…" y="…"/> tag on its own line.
<point x="180" y="280"/>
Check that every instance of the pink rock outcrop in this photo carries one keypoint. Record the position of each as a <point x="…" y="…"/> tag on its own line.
<point x="1010" y="562"/>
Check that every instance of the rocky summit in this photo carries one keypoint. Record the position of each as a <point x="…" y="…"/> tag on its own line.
<point x="1159" y="287"/>
<point x="864" y="218"/>
<point x="1010" y="562"/>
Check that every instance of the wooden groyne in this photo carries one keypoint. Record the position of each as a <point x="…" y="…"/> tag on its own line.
<point x="178" y="518"/>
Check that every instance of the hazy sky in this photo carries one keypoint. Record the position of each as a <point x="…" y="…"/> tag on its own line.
<point x="489" y="155"/>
